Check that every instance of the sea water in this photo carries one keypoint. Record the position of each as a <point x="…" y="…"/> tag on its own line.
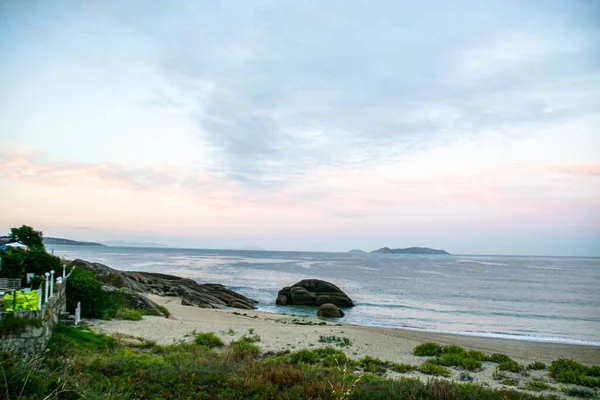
<point x="554" y="299"/>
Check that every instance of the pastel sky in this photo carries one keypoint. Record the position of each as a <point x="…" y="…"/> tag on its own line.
<point x="472" y="126"/>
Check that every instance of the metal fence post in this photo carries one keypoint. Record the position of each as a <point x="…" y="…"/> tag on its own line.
<point x="46" y="288"/>
<point x="52" y="283"/>
<point x="78" y="313"/>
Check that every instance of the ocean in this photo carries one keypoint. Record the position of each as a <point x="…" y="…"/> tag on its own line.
<point x="554" y="299"/>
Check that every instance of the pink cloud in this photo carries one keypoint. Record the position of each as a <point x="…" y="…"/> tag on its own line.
<point x="585" y="169"/>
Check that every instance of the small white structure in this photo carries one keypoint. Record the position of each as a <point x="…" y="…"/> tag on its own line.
<point x="78" y="313"/>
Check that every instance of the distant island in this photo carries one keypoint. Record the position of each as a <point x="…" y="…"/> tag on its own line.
<point x="356" y="251"/>
<point x="411" y="250"/>
<point x="68" y="242"/>
<point x="123" y="243"/>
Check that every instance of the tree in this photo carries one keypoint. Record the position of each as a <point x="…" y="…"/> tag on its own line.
<point x="27" y="236"/>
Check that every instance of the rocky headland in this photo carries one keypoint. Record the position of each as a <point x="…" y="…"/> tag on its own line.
<point x="192" y="293"/>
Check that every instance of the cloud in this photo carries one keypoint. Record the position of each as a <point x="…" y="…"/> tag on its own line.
<point x="281" y="89"/>
<point x="583" y="169"/>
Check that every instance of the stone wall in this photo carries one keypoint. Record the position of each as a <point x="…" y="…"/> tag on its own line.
<point x="33" y="339"/>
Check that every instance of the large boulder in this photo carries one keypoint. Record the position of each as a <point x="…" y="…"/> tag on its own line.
<point x="329" y="310"/>
<point x="313" y="292"/>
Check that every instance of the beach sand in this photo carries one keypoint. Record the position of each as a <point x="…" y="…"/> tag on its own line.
<point x="287" y="332"/>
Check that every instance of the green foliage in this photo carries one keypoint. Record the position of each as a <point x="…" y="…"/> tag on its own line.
<point x="338" y="341"/>
<point x="24" y="378"/>
<point x="95" y="303"/>
<point x="499" y="358"/>
<point x="26" y="235"/>
<point x="371" y="364"/>
<point x="69" y="340"/>
<point x="129" y="314"/>
<point x="510" y="365"/>
<point x="83" y="364"/>
<point x="477" y="355"/>
<point x="403" y="368"/>
<point x="12" y="263"/>
<point x="577" y="391"/>
<point x="537" y="385"/>
<point x="12" y="324"/>
<point x="209" y="340"/>
<point x="245" y="347"/>
<point x="428" y="349"/>
<point x="537" y="366"/>
<point x="510" y="382"/>
<point x="569" y="371"/>
<point x="164" y="310"/>
<point x="304" y="356"/>
<point x="37" y="261"/>
<point x="430" y="368"/>
<point x="453" y="349"/>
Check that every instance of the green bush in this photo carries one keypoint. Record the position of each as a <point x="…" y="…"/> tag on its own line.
<point x="537" y="385"/>
<point x="305" y="356"/>
<point x="209" y="340"/>
<point x="430" y="368"/>
<point x="83" y="286"/>
<point x="499" y="358"/>
<point x="129" y="314"/>
<point x="428" y="349"/>
<point x="537" y="366"/>
<point x="477" y="355"/>
<point x="371" y="364"/>
<point x="453" y="349"/>
<point x="569" y="371"/>
<point x="510" y="365"/>
<point x="403" y="368"/>
<point x="579" y="392"/>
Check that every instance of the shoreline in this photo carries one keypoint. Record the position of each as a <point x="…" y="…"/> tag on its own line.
<point x="489" y="335"/>
<point x="280" y="332"/>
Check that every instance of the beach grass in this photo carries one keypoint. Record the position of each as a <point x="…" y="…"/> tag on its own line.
<point x="83" y="363"/>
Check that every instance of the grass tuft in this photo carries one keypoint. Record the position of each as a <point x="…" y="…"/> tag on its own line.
<point x="428" y="349"/>
<point x="209" y="340"/>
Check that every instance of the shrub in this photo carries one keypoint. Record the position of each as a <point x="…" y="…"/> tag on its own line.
<point x="304" y="356"/>
<point x="510" y="365"/>
<point x="477" y="355"/>
<point x="403" y="368"/>
<point x="428" y="349"/>
<point x="536" y="366"/>
<point x="84" y="287"/>
<point x="371" y="364"/>
<point x="430" y="368"/>
<point x="576" y="391"/>
<point x="537" y="385"/>
<point x="498" y="358"/>
<point x="164" y="310"/>
<point x="342" y="342"/>
<point x="569" y="371"/>
<point x="129" y="314"/>
<point x="510" y="382"/>
<point x="209" y="340"/>
<point x="453" y="349"/>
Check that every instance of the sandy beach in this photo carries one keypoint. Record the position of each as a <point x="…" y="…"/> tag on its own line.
<point x="280" y="332"/>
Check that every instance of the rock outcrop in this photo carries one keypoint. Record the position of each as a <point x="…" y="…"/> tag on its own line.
<point x="329" y="310"/>
<point x="313" y="292"/>
<point x="207" y="295"/>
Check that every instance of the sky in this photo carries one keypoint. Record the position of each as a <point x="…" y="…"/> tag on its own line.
<point x="469" y="126"/>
